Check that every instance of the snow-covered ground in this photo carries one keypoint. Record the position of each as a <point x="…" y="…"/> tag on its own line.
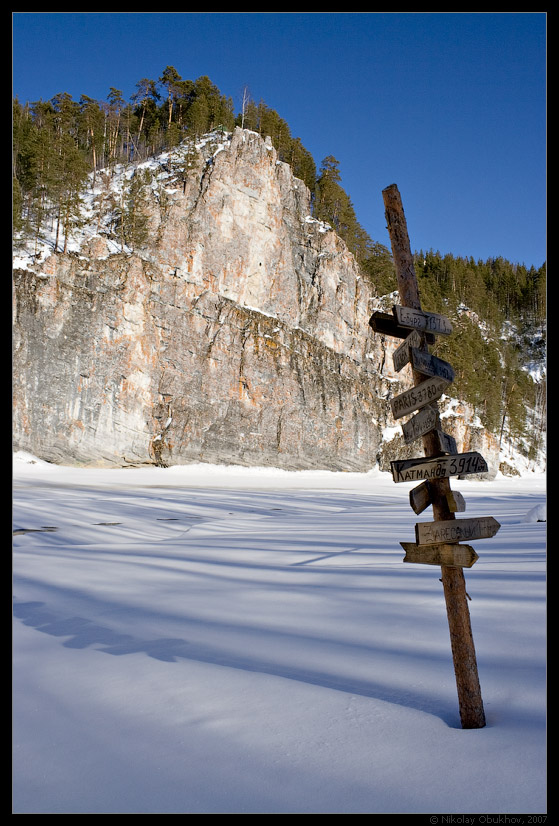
<point x="208" y="639"/>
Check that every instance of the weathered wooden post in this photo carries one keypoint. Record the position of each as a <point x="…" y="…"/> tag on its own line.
<point x="436" y="542"/>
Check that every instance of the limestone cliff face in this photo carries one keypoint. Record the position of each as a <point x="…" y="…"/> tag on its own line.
<point x="238" y="334"/>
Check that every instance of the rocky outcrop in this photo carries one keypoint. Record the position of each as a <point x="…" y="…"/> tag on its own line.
<point x="238" y="334"/>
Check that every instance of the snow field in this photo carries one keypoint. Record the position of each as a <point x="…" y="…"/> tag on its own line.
<point x="206" y="639"/>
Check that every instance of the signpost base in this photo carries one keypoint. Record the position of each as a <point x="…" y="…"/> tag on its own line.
<point x="472" y="714"/>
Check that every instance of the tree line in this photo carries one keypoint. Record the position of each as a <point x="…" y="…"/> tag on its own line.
<point x="58" y="143"/>
<point x="498" y="309"/>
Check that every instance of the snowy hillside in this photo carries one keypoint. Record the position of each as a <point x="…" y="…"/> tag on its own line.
<point x="230" y="640"/>
<point x="109" y="186"/>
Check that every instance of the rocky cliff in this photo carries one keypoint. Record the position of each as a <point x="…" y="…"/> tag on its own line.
<point x="237" y="333"/>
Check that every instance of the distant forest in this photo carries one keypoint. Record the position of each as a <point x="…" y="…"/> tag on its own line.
<point x="57" y="144"/>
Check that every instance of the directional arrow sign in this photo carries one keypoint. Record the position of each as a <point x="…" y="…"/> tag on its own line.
<point x="419" y="320"/>
<point x="401" y="356"/>
<point x="388" y="326"/>
<point x="458" y="556"/>
<point x="446" y="442"/>
<point x="455" y="530"/>
<point x="455" y="501"/>
<point x="420" y="497"/>
<point x="416" y="397"/>
<point x="420" y="424"/>
<point x="430" y="365"/>
<point x="420" y="469"/>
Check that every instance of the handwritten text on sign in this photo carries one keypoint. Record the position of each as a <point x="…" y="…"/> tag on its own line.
<point x="417" y="470"/>
<point x="455" y="530"/>
<point x="418" y="320"/>
<point x="402" y="354"/>
<point x="416" y="397"/>
<point x="420" y="424"/>
<point x="431" y="365"/>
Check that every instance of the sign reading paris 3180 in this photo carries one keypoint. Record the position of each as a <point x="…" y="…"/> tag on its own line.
<point x="435" y="541"/>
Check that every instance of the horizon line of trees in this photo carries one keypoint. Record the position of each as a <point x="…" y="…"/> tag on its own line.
<point x="58" y="143"/>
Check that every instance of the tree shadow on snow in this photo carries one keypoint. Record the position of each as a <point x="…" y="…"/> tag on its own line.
<point x="82" y="633"/>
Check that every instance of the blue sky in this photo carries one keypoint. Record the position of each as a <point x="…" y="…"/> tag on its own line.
<point x="449" y="106"/>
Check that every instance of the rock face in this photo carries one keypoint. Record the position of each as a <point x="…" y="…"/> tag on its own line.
<point x="238" y="334"/>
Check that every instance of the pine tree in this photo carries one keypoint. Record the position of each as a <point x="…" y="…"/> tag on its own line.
<point x="112" y="122"/>
<point x="146" y="91"/>
<point x="170" y="79"/>
<point x="133" y="211"/>
<point x="91" y="122"/>
<point x="66" y="193"/>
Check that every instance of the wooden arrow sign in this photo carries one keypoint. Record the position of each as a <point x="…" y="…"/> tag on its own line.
<point x="446" y="442"/>
<point x="459" y="556"/>
<point x="416" y="397"/>
<point x="420" y="469"/>
<point x="420" y="424"/>
<point x="402" y="355"/>
<point x="455" y="530"/>
<point x="387" y="325"/>
<point x="420" y="320"/>
<point x="455" y="501"/>
<point x="430" y="365"/>
<point x="420" y="497"/>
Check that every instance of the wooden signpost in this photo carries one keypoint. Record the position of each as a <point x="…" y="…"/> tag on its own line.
<point x="447" y="443"/>
<point x="437" y="542"/>
<point x="418" y="320"/>
<point x="462" y="556"/>
<point x="389" y="326"/>
<point x="416" y="397"/>
<point x="420" y="424"/>
<point x="402" y="354"/>
<point x="455" y="530"/>
<point x="421" y="497"/>
<point x="440" y="467"/>
<point x="430" y="365"/>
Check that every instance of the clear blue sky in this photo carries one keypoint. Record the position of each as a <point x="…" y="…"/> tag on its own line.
<point x="449" y="106"/>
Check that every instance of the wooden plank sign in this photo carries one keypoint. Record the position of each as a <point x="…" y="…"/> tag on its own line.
<point x="387" y="325"/>
<point x="416" y="397"/>
<point x="460" y="556"/>
<point x="431" y="365"/>
<point x="420" y="424"/>
<point x="420" y="497"/>
<point x="455" y="530"/>
<point x="402" y="355"/>
<point x="446" y="442"/>
<point x="423" y="469"/>
<point x="420" y="320"/>
<point x="455" y="501"/>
